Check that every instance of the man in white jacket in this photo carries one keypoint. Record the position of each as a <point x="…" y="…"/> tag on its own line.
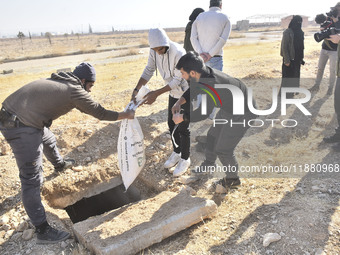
<point x="209" y="33"/>
<point x="164" y="55"/>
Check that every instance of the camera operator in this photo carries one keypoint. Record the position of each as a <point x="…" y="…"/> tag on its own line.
<point x="329" y="49"/>
<point x="336" y="137"/>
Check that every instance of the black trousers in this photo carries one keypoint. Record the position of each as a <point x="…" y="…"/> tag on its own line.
<point x="291" y="76"/>
<point x="182" y="132"/>
<point x="223" y="139"/>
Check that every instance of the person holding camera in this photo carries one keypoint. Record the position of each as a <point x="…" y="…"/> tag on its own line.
<point x="329" y="49"/>
<point x="336" y="137"/>
<point x="292" y="52"/>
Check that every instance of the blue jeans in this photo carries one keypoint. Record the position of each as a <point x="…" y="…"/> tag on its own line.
<point x="216" y="63"/>
<point x="28" y="145"/>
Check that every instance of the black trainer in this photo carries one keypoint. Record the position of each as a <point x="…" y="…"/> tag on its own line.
<point x="68" y="163"/>
<point x="232" y="183"/>
<point x="227" y="183"/>
<point x="51" y="235"/>
<point x="332" y="139"/>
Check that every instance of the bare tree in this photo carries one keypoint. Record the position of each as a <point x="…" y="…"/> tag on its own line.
<point x="48" y="35"/>
<point x="21" y="36"/>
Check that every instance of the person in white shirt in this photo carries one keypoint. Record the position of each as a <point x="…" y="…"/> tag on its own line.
<point x="164" y="55"/>
<point x="209" y="33"/>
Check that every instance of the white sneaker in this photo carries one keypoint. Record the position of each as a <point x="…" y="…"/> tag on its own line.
<point x="173" y="160"/>
<point x="182" y="167"/>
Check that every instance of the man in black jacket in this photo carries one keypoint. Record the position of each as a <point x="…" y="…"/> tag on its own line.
<point x="329" y="49"/>
<point x="222" y="137"/>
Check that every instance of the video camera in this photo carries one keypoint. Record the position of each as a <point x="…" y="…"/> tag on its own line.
<point x="326" y="33"/>
<point x="327" y="23"/>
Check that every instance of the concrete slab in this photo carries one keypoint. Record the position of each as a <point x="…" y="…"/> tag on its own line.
<point x="63" y="201"/>
<point x="132" y="228"/>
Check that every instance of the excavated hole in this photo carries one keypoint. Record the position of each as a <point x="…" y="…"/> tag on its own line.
<point x="103" y="202"/>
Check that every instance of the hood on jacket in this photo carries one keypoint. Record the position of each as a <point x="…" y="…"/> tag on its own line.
<point x="66" y="76"/>
<point x="85" y="71"/>
<point x="195" y="13"/>
<point x="158" y="38"/>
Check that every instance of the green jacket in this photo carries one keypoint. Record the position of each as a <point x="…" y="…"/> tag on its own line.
<point x="187" y="43"/>
<point x="287" y="46"/>
<point x="40" y="102"/>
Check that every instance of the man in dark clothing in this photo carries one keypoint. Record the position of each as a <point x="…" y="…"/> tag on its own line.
<point x="292" y="51"/>
<point x="187" y="43"/>
<point x="335" y="138"/>
<point x="328" y="51"/>
<point x="25" y="118"/>
<point x="222" y="139"/>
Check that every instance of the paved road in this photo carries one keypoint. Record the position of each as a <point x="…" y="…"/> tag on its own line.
<point x="52" y="64"/>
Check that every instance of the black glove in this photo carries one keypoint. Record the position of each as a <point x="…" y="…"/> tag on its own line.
<point x="303" y="62"/>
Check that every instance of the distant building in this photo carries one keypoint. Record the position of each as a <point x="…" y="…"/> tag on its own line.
<point x="286" y="20"/>
<point x="242" y="25"/>
<point x="265" y="20"/>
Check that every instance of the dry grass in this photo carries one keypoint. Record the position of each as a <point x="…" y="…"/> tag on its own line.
<point x="75" y="44"/>
<point x="61" y="45"/>
<point x="177" y="36"/>
<point x="235" y="35"/>
<point x="265" y="29"/>
<point x="12" y="82"/>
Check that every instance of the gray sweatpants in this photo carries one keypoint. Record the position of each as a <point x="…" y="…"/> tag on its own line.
<point x="223" y="139"/>
<point x="323" y="59"/>
<point x="28" y="145"/>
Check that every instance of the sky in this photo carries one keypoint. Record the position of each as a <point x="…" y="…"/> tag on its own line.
<point x="65" y="16"/>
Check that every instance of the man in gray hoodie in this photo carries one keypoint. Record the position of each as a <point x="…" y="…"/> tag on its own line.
<point x="25" y="118"/>
<point x="164" y="55"/>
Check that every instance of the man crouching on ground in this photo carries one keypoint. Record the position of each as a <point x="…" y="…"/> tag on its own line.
<point x="221" y="139"/>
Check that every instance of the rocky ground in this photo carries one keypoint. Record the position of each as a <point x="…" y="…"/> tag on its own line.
<point x="275" y="213"/>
